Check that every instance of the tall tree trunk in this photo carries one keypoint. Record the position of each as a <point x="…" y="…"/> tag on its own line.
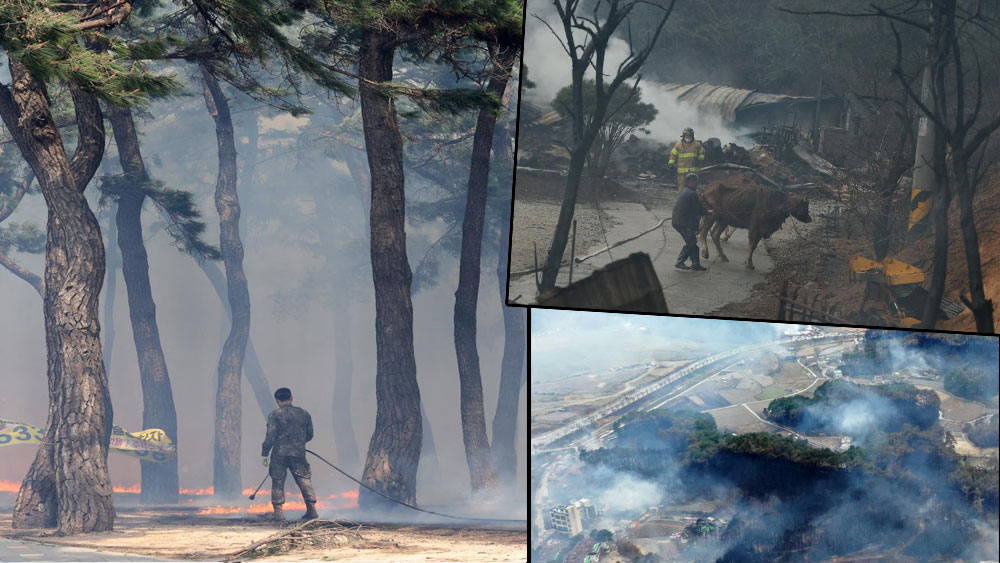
<point x="982" y="308"/>
<point x="159" y="479"/>
<point x="394" y="449"/>
<point x="939" y="216"/>
<point x="477" y="444"/>
<point x="553" y="260"/>
<point x="113" y="262"/>
<point x="511" y="372"/>
<point x="343" y="426"/>
<point x="226" y="478"/>
<point x="252" y="369"/>
<point x="79" y="421"/>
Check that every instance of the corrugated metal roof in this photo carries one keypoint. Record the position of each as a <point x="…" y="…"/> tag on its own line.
<point x="724" y="100"/>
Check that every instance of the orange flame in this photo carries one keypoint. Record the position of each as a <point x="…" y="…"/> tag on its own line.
<point x="220" y="510"/>
<point x="136" y="488"/>
<point x="205" y="491"/>
<point x="260" y="508"/>
<point x="9" y="487"/>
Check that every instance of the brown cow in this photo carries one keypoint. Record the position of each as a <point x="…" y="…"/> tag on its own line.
<point x="759" y="209"/>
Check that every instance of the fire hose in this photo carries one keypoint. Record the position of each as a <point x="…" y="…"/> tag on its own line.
<point x="408" y="505"/>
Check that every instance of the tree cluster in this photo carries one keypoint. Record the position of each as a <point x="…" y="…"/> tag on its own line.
<point x="913" y="406"/>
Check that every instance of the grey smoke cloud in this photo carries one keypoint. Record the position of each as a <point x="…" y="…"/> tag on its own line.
<point x="549" y="69"/>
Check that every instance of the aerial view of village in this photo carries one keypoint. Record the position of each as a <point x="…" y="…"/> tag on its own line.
<point x="684" y="439"/>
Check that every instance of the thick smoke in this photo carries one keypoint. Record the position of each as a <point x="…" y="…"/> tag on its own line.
<point x="567" y="342"/>
<point x="629" y="493"/>
<point x="859" y="418"/>
<point x="547" y="62"/>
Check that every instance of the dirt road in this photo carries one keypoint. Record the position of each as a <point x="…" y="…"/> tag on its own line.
<point x="686" y="292"/>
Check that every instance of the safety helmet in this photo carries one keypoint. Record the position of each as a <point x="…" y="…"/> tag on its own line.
<point x="688" y="131"/>
<point x="691" y="178"/>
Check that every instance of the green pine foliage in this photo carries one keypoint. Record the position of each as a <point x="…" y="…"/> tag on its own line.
<point x="22" y="237"/>
<point x="45" y="38"/>
<point x="442" y="31"/>
<point x="178" y="209"/>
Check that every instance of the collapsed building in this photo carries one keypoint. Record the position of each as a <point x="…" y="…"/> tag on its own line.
<point x="828" y="123"/>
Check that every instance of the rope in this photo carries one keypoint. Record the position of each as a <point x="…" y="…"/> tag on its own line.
<point x="342" y="472"/>
<point x="604" y="232"/>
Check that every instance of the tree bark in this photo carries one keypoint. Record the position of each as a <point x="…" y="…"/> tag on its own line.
<point x="511" y="372"/>
<point x="394" y="449"/>
<point x="939" y="216"/>
<point x="226" y="478"/>
<point x="477" y="445"/>
<point x="343" y="426"/>
<point x="982" y="308"/>
<point x="113" y="261"/>
<point x="159" y="479"/>
<point x="74" y="459"/>
<point x="252" y="369"/>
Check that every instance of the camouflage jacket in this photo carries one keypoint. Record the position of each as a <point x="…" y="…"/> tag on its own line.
<point x="288" y="429"/>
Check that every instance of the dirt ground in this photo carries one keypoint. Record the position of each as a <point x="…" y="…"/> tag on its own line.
<point x="819" y="265"/>
<point x="177" y="534"/>
<point x="813" y="259"/>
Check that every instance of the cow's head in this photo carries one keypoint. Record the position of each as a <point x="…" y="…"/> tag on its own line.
<point x="798" y="207"/>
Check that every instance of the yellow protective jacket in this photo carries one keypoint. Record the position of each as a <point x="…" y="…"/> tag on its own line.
<point x="687" y="156"/>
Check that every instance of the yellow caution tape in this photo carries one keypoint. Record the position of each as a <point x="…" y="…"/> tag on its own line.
<point x="150" y="445"/>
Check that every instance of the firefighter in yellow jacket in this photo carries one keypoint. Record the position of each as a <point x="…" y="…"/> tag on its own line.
<point x="686" y="155"/>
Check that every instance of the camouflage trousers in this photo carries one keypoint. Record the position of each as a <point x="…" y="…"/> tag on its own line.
<point x="278" y="468"/>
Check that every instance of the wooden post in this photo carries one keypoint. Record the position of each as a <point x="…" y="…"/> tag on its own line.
<point x="572" y="253"/>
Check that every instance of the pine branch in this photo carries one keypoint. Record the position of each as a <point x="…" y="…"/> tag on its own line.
<point x="176" y="207"/>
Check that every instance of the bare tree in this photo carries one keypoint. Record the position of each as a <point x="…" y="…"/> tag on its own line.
<point x="589" y="55"/>
<point x="963" y="116"/>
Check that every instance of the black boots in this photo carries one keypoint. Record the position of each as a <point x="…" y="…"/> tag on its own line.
<point x="689" y="251"/>
<point x="278" y="515"/>
<point x="310" y="512"/>
<point x="680" y="265"/>
<point x="696" y="260"/>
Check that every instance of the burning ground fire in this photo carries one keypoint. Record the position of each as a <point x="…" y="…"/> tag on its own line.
<point x="348" y="499"/>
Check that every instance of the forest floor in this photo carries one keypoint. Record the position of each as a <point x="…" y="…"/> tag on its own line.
<point x="184" y="535"/>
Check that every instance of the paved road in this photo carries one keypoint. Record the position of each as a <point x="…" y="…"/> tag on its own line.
<point x="692" y="293"/>
<point x="17" y="550"/>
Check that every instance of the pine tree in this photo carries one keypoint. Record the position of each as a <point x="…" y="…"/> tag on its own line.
<point x="48" y="45"/>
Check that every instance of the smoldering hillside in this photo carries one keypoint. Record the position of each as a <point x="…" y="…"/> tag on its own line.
<point x="779" y="500"/>
<point x="306" y="263"/>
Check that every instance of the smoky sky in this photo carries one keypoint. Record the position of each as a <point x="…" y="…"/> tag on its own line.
<point x="290" y="286"/>
<point x="549" y="69"/>
<point x="566" y="342"/>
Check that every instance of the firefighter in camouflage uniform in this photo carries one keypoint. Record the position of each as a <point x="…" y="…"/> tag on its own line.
<point x="687" y="155"/>
<point x="288" y="429"/>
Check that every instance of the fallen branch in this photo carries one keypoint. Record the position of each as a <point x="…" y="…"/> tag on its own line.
<point x="300" y="534"/>
<point x="580" y="259"/>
